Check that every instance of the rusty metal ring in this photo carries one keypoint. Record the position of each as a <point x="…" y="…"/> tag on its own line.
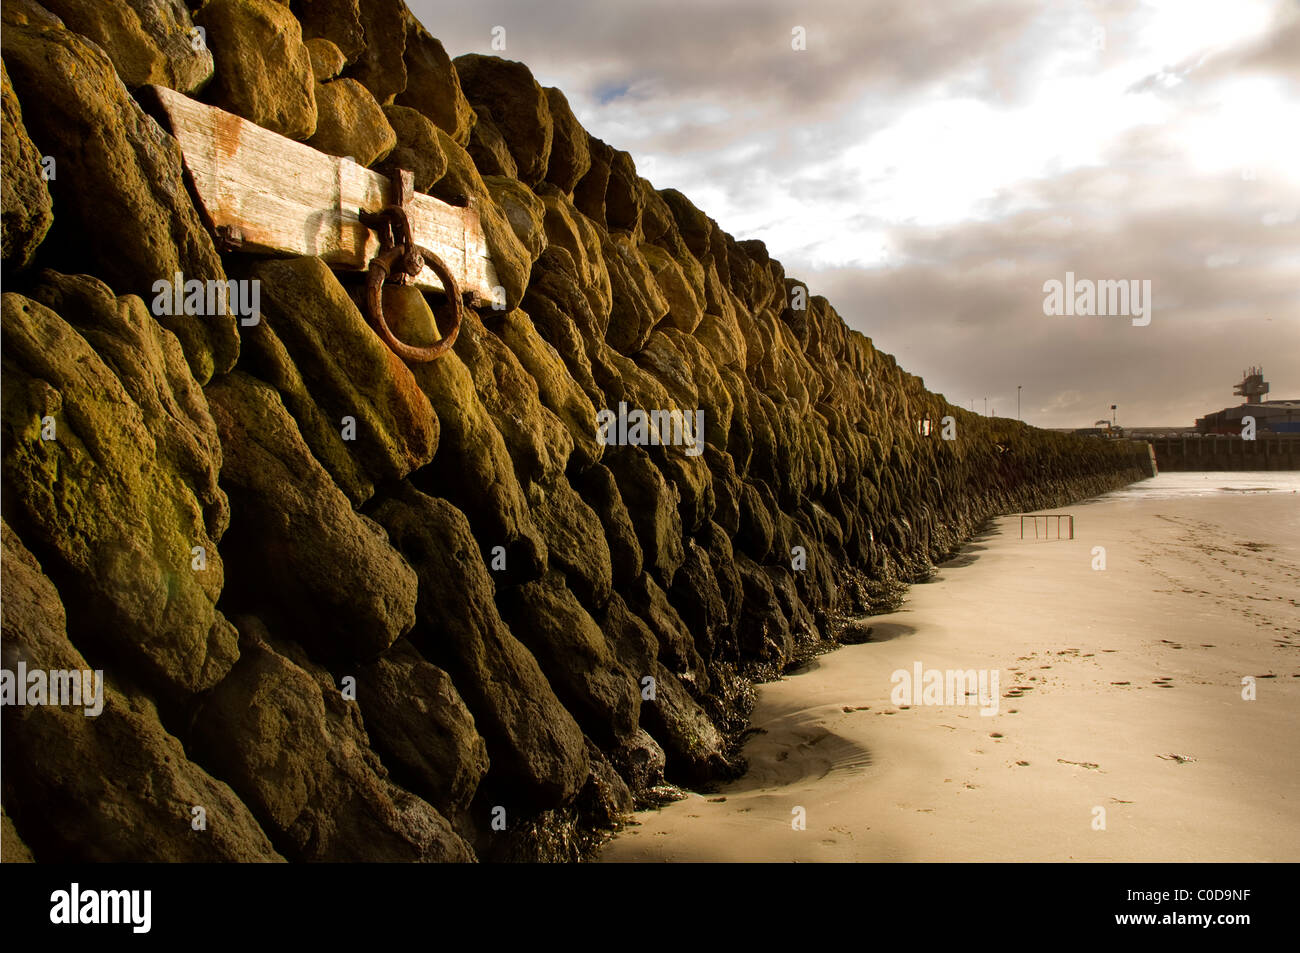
<point x="380" y="267"/>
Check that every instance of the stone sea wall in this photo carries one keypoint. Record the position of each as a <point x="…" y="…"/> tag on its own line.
<point x="348" y="608"/>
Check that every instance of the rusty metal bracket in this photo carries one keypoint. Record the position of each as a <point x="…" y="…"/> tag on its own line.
<point x="397" y="248"/>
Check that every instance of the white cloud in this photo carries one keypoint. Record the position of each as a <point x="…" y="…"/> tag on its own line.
<point x="927" y="165"/>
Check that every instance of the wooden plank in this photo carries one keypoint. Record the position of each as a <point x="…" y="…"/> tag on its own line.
<point x="284" y="197"/>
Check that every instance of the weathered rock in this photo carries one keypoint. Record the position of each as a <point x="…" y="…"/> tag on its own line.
<point x="623" y="195"/>
<point x="487" y="147"/>
<point x="432" y="86"/>
<point x="12" y="848"/>
<point x="696" y="752"/>
<point x="462" y="184"/>
<point x="357" y="404"/>
<point x="606" y="799"/>
<point x="637" y="303"/>
<point x="327" y="60"/>
<point x="569" y="159"/>
<point x="108" y="786"/>
<point x="726" y="488"/>
<point x="27" y="206"/>
<point x="127" y="172"/>
<point x="148" y="361"/>
<point x="278" y="729"/>
<point x="115" y="502"/>
<point x="692" y="224"/>
<point x="599" y="489"/>
<point x="589" y="193"/>
<point x="652" y="503"/>
<point x="380" y="66"/>
<point x="676" y="648"/>
<point x="350" y="123"/>
<point x="338" y="21"/>
<point x="721" y="335"/>
<point x="657" y="222"/>
<point x="630" y="638"/>
<point x="662" y="359"/>
<point x="697" y="598"/>
<point x="763" y="630"/>
<point x="420" y="725"/>
<point x="722" y="559"/>
<point x="523" y="210"/>
<point x="149" y="41"/>
<point x="690" y="476"/>
<point x="263" y="70"/>
<point x="417" y="150"/>
<point x="685" y="311"/>
<point x="295" y="541"/>
<point x="539" y="445"/>
<point x="170" y="25"/>
<point x="556" y="387"/>
<point x="519" y="108"/>
<point x="712" y="394"/>
<point x="575" y="655"/>
<point x="116" y="28"/>
<point x="641" y="762"/>
<point x="575" y="540"/>
<point x="269" y="359"/>
<point x="553" y="296"/>
<point x="570" y="230"/>
<point x="480" y="475"/>
<point x="536" y="749"/>
<point x="757" y="530"/>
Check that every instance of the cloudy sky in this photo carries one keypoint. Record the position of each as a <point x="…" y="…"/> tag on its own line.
<point x="929" y="164"/>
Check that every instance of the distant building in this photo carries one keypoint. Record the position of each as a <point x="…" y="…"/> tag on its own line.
<point x="1103" y="428"/>
<point x="1271" y="416"/>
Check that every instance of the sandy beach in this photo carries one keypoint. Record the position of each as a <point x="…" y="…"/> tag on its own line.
<point x="1120" y="703"/>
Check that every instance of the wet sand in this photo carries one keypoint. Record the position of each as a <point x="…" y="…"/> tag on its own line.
<point x="1119" y="689"/>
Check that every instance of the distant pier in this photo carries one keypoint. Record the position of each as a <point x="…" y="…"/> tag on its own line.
<point x="1226" y="452"/>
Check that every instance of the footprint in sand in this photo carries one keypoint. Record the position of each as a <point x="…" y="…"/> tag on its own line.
<point x="1022" y="764"/>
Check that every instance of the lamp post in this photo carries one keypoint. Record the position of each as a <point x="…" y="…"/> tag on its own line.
<point x="986" y="406"/>
<point x="1018" y="386"/>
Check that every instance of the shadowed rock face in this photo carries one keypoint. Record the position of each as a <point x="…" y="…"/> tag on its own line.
<point x="27" y="203"/>
<point x="124" y="214"/>
<point x="360" y="610"/>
